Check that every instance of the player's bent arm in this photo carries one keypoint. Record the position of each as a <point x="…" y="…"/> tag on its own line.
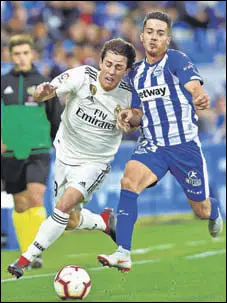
<point x="44" y="91"/>
<point x="201" y="99"/>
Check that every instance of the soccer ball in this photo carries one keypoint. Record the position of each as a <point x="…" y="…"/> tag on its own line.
<point x="72" y="282"/>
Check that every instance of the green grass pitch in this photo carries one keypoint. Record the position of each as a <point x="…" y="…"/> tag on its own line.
<point x="172" y="262"/>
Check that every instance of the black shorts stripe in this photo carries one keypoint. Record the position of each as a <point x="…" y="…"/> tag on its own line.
<point x="97" y="181"/>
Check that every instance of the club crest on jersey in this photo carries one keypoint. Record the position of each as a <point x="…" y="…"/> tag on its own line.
<point x="117" y="109"/>
<point x="158" y="71"/>
<point x="93" y="89"/>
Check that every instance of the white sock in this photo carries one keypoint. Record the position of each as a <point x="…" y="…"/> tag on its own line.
<point x="89" y="220"/>
<point x="49" y="231"/>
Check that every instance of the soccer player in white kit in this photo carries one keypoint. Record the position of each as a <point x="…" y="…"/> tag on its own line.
<point x="86" y="142"/>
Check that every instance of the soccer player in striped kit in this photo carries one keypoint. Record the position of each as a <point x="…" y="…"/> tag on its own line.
<point x="167" y="90"/>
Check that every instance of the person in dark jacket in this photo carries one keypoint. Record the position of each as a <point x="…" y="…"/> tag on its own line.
<point x="26" y="178"/>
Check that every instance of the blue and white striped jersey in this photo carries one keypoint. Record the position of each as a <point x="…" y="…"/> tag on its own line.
<point x="169" y="114"/>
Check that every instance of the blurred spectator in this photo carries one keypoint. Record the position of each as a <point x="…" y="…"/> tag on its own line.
<point x="220" y="111"/>
<point x="212" y="122"/>
<point x="70" y="33"/>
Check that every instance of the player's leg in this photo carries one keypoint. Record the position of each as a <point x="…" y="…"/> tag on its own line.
<point x="37" y="169"/>
<point x="14" y="175"/>
<point x="69" y="193"/>
<point x="49" y="231"/>
<point x="85" y="219"/>
<point x="144" y="169"/>
<point x="188" y="165"/>
<point x="209" y="210"/>
<point x="54" y="225"/>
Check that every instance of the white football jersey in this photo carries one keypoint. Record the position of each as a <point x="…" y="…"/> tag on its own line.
<point x="87" y="131"/>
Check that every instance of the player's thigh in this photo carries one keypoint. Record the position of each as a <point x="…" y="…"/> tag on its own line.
<point x="146" y="166"/>
<point x="87" y="178"/>
<point x="137" y="176"/>
<point x="59" y="180"/>
<point x="188" y="165"/>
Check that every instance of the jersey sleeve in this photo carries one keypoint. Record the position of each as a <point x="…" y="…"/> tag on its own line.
<point x="184" y="68"/>
<point x="69" y="81"/>
<point x="135" y="102"/>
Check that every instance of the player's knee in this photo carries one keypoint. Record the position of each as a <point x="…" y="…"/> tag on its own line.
<point x="129" y="184"/>
<point x="21" y="204"/>
<point x="36" y="199"/>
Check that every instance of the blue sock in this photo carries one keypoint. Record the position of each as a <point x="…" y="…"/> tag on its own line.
<point x="126" y="218"/>
<point x="214" y="209"/>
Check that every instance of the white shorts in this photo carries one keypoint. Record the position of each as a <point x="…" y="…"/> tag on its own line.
<point x="86" y="178"/>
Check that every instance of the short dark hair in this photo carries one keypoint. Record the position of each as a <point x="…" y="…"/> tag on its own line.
<point x="120" y="47"/>
<point x="19" y="40"/>
<point x="159" y="16"/>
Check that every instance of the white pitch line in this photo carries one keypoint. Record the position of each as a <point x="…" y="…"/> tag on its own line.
<point x="91" y="268"/>
<point x="206" y="254"/>
<point x="201" y="242"/>
<point x="157" y="247"/>
<point x="134" y="251"/>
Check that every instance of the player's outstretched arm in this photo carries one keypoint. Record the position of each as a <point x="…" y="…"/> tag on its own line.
<point x="201" y="99"/>
<point x="44" y="91"/>
<point x="129" y="119"/>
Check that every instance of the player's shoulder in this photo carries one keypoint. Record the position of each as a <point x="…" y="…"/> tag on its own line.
<point x="91" y="71"/>
<point x="137" y="65"/>
<point x="175" y="55"/>
<point x="124" y="86"/>
<point x="135" y="68"/>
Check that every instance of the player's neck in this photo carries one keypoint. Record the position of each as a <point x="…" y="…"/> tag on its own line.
<point x="153" y="59"/>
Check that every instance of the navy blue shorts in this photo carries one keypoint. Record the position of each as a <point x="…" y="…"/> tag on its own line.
<point x="185" y="161"/>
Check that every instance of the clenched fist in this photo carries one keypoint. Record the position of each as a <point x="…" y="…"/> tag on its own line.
<point x="44" y="91"/>
<point x="202" y="101"/>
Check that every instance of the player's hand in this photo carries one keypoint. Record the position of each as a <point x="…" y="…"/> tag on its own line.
<point x="3" y="147"/>
<point x="127" y="120"/>
<point x="202" y="101"/>
<point x="44" y="91"/>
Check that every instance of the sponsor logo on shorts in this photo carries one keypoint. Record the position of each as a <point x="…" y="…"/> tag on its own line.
<point x="194" y="192"/>
<point x="193" y="179"/>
